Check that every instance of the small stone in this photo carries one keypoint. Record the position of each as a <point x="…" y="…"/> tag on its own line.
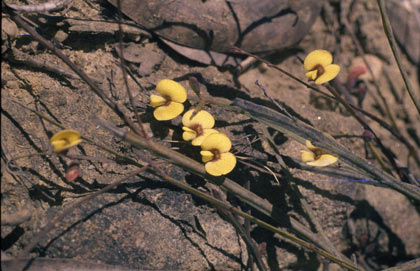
<point x="9" y="28"/>
<point x="12" y="84"/>
<point x="61" y="36"/>
<point x="150" y="64"/>
<point x="374" y="62"/>
<point x="148" y="58"/>
<point x="61" y="101"/>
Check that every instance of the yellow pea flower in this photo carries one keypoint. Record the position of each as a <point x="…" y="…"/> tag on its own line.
<point x="198" y="127"/>
<point x="169" y="105"/>
<point x="215" y="153"/>
<point x="319" y="68"/>
<point x="317" y="157"/>
<point x="64" y="140"/>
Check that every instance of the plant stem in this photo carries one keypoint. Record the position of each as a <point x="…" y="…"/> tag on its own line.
<point x="391" y="39"/>
<point x="260" y="204"/>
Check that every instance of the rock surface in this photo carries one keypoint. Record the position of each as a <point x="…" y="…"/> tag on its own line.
<point x="146" y="222"/>
<point x="253" y="25"/>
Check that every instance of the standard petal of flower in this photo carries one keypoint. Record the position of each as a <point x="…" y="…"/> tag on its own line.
<point x="168" y="112"/>
<point x="156" y="100"/>
<point x="307" y="156"/>
<point x="330" y="73"/>
<point x="188" y="134"/>
<point x="222" y="166"/>
<point x="172" y="89"/>
<point x="317" y="57"/>
<point x="199" y="140"/>
<point x="324" y="160"/>
<point x="217" y="141"/>
<point x="202" y="117"/>
<point x="206" y="156"/>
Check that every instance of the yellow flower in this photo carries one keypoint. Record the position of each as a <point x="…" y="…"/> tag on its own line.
<point x="198" y="127"/>
<point x="64" y="140"/>
<point x="319" y="67"/>
<point x="169" y="105"/>
<point x="215" y="153"/>
<point x="317" y="157"/>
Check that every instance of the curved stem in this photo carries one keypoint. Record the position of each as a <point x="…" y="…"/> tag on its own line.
<point x="391" y="39"/>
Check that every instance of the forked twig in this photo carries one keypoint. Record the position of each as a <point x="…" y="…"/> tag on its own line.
<point x="124" y="73"/>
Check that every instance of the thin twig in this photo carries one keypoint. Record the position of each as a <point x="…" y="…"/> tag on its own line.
<point x="97" y="90"/>
<point x="300" y="131"/>
<point x="389" y="155"/>
<point x="103" y="147"/>
<point x="124" y="74"/>
<point x="282" y="233"/>
<point x="352" y="109"/>
<point x="413" y="265"/>
<point x="193" y="166"/>
<point x="391" y="39"/>
<point x="281" y="108"/>
<point x="20" y="57"/>
<point x="375" y="80"/>
<point x="343" y="174"/>
<point x="242" y="231"/>
<point x="305" y="206"/>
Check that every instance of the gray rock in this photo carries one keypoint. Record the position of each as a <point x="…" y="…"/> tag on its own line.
<point x="405" y="20"/>
<point x="148" y="58"/>
<point x="149" y="228"/>
<point x="253" y="25"/>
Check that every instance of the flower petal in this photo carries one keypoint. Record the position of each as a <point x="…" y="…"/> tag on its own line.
<point x="156" y="100"/>
<point x="199" y="139"/>
<point x="188" y="134"/>
<point x="172" y="89"/>
<point x="201" y="117"/>
<point x="307" y="156"/>
<point x="222" y="166"/>
<point x="310" y="146"/>
<point x="329" y="74"/>
<point x="64" y="140"/>
<point x="59" y="145"/>
<point x="217" y="141"/>
<point x="312" y="74"/>
<point x="317" y="57"/>
<point x="168" y="112"/>
<point x="324" y="160"/>
<point x="206" y="156"/>
<point x="66" y="134"/>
